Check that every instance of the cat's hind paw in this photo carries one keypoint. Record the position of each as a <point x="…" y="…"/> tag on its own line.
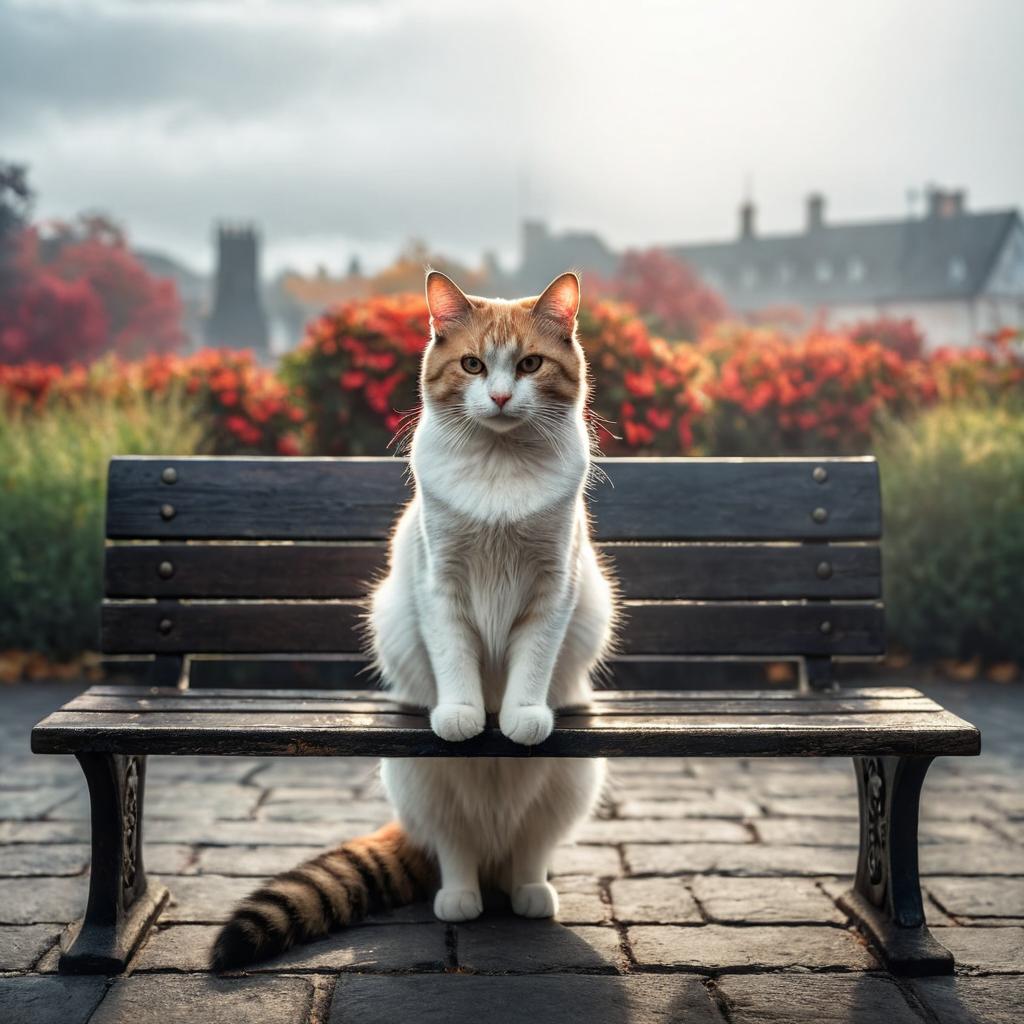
<point x="457" y="904"/>
<point x="528" y="724"/>
<point x="538" y="899"/>
<point x="455" y="722"/>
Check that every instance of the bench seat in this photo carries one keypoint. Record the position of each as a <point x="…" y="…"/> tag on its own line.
<point x="619" y="723"/>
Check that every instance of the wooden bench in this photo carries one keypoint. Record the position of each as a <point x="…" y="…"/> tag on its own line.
<point x="718" y="559"/>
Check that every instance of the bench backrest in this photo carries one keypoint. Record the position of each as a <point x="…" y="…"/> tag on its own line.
<point x="762" y="558"/>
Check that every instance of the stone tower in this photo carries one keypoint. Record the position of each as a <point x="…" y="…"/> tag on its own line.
<point x="237" y="319"/>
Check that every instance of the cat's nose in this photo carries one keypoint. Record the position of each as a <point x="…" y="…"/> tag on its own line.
<point x="500" y="400"/>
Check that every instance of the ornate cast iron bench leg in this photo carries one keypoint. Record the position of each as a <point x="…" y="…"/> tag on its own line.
<point x="885" y="900"/>
<point x="123" y="904"/>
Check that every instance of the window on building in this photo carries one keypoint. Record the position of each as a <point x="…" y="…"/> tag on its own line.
<point x="957" y="270"/>
<point x="749" y="277"/>
<point x="823" y="270"/>
<point x="855" y="269"/>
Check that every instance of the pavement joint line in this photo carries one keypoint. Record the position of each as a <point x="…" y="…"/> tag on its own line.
<point x="718" y="997"/>
<point x="324" y="987"/>
<point x="624" y="946"/>
<point x="915" y="1002"/>
<point x="254" y="811"/>
<point x="451" y="945"/>
<point x="702" y="910"/>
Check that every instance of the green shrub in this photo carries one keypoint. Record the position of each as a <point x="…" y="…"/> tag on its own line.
<point x="53" y="467"/>
<point x="953" y="489"/>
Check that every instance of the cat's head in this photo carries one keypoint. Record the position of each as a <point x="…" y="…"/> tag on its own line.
<point x="504" y="364"/>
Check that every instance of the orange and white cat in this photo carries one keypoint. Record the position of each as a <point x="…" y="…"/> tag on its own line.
<point x="494" y="601"/>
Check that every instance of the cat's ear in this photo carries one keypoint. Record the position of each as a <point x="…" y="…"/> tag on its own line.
<point x="560" y="302"/>
<point x="447" y="304"/>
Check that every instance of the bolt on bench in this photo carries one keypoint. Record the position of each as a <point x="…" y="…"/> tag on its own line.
<point x="718" y="559"/>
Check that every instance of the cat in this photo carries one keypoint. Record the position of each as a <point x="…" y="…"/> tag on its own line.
<point x="495" y="601"/>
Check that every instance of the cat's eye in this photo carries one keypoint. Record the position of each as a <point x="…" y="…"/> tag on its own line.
<point x="472" y="365"/>
<point x="529" y="364"/>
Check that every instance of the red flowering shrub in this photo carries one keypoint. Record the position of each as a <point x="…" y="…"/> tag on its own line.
<point x="356" y="373"/>
<point x="992" y="371"/>
<point x="816" y="393"/>
<point x="647" y="395"/>
<point x="737" y="391"/>
<point x="246" y="409"/>
<point x="903" y="337"/>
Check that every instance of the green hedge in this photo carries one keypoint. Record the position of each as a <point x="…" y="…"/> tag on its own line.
<point x="953" y="495"/>
<point x="53" y="466"/>
<point x="953" y="489"/>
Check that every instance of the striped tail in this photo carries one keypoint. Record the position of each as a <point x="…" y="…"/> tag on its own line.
<point x="338" y="888"/>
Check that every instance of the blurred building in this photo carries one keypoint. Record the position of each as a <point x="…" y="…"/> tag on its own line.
<point x="237" y="319"/>
<point x="294" y="299"/>
<point x="957" y="273"/>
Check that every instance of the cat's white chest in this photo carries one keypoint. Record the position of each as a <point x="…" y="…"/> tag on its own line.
<point x="500" y="578"/>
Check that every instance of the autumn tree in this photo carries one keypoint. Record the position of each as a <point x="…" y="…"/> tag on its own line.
<point x="406" y="273"/>
<point x="79" y="292"/>
<point x="670" y="297"/>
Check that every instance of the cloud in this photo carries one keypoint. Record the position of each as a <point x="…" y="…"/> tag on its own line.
<point x="355" y="125"/>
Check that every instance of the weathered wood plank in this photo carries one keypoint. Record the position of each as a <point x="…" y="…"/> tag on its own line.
<point x="615" y="697"/>
<point x="357" y="499"/>
<point x="316" y="570"/>
<point x="667" y="627"/>
<point x="920" y="734"/>
<point x="242" y="570"/>
<point x="753" y="571"/>
<point x="741" y="628"/>
<point x="645" y="707"/>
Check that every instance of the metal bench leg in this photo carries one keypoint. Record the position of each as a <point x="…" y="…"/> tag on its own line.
<point x="123" y="904"/>
<point x="885" y="901"/>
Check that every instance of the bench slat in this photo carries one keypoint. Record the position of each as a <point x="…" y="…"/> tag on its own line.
<point x="739" y="628"/>
<point x="318" y="570"/>
<point x="575" y="736"/>
<point x="616" y="697"/>
<point x="180" y="702"/>
<point x="357" y="499"/>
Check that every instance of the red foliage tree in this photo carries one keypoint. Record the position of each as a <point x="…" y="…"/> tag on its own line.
<point x="50" y="318"/>
<point x="81" y="292"/>
<point x="666" y="292"/>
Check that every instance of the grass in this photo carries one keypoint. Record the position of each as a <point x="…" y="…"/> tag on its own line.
<point x="953" y="495"/>
<point x="53" y="465"/>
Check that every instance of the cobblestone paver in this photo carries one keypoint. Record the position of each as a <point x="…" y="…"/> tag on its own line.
<point x="705" y="891"/>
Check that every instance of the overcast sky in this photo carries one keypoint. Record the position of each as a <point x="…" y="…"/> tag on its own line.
<point x="348" y="127"/>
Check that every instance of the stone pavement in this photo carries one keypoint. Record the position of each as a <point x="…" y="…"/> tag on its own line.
<point x="704" y="893"/>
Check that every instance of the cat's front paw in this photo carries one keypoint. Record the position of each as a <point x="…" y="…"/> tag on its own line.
<point x="528" y="724"/>
<point x="457" y="904"/>
<point x="538" y="899"/>
<point x="457" y="722"/>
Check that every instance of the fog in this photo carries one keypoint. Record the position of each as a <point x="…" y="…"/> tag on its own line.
<point x="348" y="128"/>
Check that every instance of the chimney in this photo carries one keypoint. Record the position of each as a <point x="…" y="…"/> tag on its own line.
<point x="946" y="202"/>
<point x="747" y="214"/>
<point x="815" y="211"/>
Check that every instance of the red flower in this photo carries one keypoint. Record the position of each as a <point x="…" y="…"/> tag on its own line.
<point x="639" y="384"/>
